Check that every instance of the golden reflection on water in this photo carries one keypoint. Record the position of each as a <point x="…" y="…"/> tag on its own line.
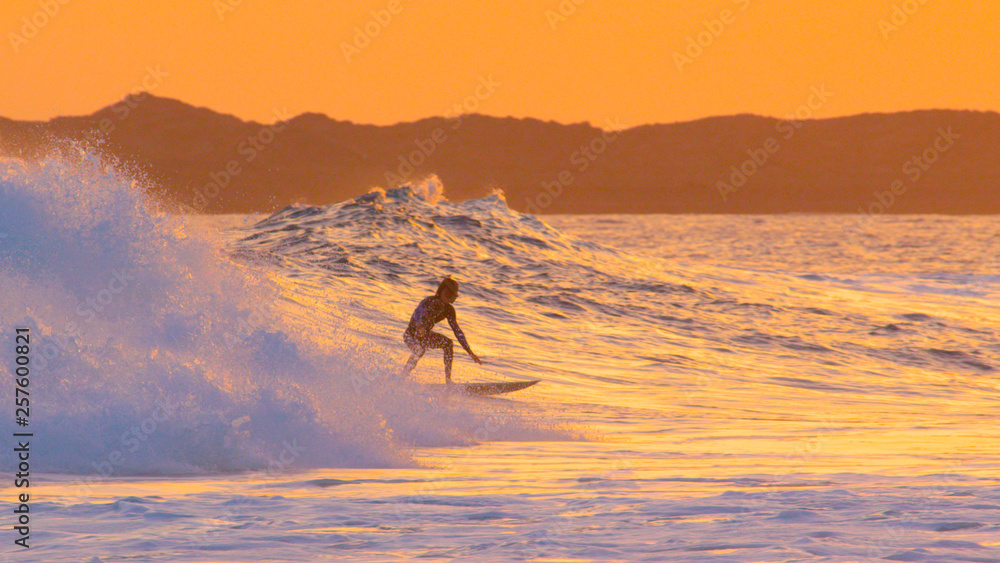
<point x="820" y="392"/>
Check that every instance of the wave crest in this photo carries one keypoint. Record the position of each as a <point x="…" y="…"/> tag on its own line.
<point x="154" y="353"/>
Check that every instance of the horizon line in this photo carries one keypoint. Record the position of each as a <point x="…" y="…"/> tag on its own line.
<point x="147" y="95"/>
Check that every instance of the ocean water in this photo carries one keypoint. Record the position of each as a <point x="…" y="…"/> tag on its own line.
<point x="714" y="388"/>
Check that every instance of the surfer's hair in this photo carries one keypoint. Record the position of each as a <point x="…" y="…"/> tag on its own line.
<point x="448" y="285"/>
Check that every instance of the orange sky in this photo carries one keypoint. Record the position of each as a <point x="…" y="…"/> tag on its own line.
<point x="600" y="61"/>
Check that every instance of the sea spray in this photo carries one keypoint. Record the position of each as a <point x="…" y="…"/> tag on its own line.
<point x="146" y="362"/>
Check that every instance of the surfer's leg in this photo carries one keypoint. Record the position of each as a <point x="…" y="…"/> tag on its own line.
<point x="436" y="340"/>
<point x="412" y="362"/>
<point x="449" y="355"/>
<point x="417" y="348"/>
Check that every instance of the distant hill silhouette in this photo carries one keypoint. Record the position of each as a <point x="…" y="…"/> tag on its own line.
<point x="739" y="164"/>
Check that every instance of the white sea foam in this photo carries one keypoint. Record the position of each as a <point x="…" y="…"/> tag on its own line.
<point x="153" y="353"/>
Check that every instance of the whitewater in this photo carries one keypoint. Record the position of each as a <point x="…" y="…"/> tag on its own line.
<point x="714" y="388"/>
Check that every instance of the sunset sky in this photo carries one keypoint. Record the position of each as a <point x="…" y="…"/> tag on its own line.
<point x="632" y="61"/>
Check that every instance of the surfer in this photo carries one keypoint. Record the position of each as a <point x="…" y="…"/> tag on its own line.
<point x="432" y="310"/>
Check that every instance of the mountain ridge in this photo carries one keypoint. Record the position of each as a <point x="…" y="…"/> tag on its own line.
<point x="919" y="161"/>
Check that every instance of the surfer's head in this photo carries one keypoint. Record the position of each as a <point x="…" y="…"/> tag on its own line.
<point x="448" y="290"/>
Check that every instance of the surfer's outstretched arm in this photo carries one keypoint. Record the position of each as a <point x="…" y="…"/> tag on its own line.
<point x="453" y="321"/>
